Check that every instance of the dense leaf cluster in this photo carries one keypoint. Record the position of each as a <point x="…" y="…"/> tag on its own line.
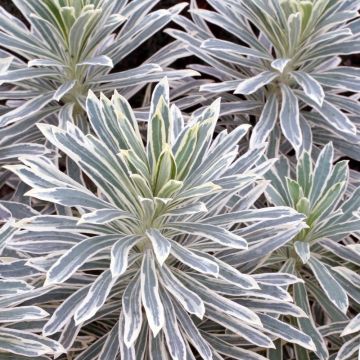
<point x="163" y="233"/>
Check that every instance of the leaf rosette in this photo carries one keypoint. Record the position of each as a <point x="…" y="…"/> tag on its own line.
<point x="282" y="59"/>
<point x="134" y="244"/>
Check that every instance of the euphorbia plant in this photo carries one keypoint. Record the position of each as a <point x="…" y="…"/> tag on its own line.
<point x="322" y="254"/>
<point x="284" y="64"/>
<point x="150" y="221"/>
<point x="47" y="69"/>
<point x="72" y="46"/>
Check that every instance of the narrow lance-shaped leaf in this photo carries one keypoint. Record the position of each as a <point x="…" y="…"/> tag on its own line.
<point x="27" y="344"/>
<point x="14" y="151"/>
<point x="353" y="326"/>
<point x="125" y="352"/>
<point x="234" y="276"/>
<point x="344" y="252"/>
<point x="69" y="197"/>
<point x="23" y="313"/>
<point x="335" y="119"/>
<point x="193" y="333"/>
<point x="287" y="332"/>
<point x="189" y="299"/>
<point x="261" y="249"/>
<point x="132" y="311"/>
<point x="251" y="334"/>
<point x="165" y="169"/>
<point x="321" y="173"/>
<point x="194" y="260"/>
<point x="101" y="60"/>
<point x="227" y="46"/>
<point x="120" y="252"/>
<point x="63" y="90"/>
<point x="64" y="312"/>
<point x="212" y="232"/>
<point x="226" y="306"/>
<point x="157" y="136"/>
<point x="189" y="209"/>
<point x="328" y="201"/>
<point x="349" y="349"/>
<point x="104" y="216"/>
<point x="6" y="233"/>
<point x="310" y="86"/>
<point x="290" y="117"/>
<point x="68" y="263"/>
<point x="173" y="336"/>
<point x="249" y="86"/>
<point x="14" y="287"/>
<point x="95" y="298"/>
<point x="150" y="294"/>
<point x="274" y="307"/>
<point x="160" y="244"/>
<point x="277" y="279"/>
<point x="265" y="123"/>
<point x="332" y="288"/>
<point x="27" y="109"/>
<point x="111" y="346"/>
<point x="302" y="249"/>
<point x="307" y="325"/>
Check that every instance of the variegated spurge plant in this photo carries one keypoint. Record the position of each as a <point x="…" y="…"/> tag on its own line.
<point x="71" y="46"/>
<point x="180" y="238"/>
<point x="131" y="262"/>
<point x="284" y="60"/>
<point x="15" y="141"/>
<point x="324" y="255"/>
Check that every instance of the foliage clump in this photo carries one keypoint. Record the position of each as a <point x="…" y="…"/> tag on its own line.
<point x="167" y="231"/>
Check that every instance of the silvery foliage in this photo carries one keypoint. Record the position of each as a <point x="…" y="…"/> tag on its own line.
<point x="17" y="140"/>
<point x="324" y="255"/>
<point x="165" y="250"/>
<point x="22" y="342"/>
<point x="282" y="57"/>
<point x="72" y="46"/>
<point x="131" y="265"/>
